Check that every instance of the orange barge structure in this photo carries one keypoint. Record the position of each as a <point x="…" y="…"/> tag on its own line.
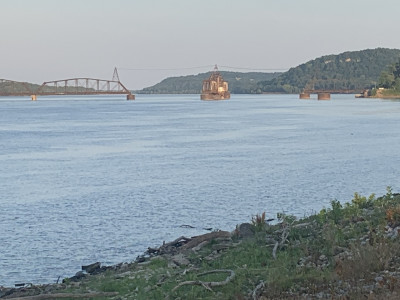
<point x="215" y="87"/>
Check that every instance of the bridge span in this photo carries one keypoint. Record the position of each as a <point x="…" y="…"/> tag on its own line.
<point x="83" y="86"/>
<point x="72" y="86"/>
<point x="323" y="94"/>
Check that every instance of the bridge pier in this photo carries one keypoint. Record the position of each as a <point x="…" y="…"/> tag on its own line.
<point x="130" y="97"/>
<point x="324" y="96"/>
<point x="33" y="97"/>
<point x="304" y="96"/>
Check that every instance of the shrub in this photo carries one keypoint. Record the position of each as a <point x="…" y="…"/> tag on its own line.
<point x="393" y="216"/>
<point x="362" y="201"/>
<point x="258" y="222"/>
<point x="336" y="213"/>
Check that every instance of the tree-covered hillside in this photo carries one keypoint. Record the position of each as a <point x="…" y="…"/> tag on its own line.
<point x="390" y="78"/>
<point x="8" y="87"/>
<point x="355" y="71"/>
<point x="239" y="83"/>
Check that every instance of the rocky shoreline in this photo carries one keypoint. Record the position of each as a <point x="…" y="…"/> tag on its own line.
<point x="349" y="251"/>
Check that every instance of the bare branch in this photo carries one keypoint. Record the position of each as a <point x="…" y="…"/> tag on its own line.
<point x="274" y="250"/>
<point x="258" y="287"/>
<point x="208" y="284"/>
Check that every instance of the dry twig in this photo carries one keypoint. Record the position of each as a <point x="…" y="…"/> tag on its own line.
<point x="258" y="287"/>
<point x="208" y="284"/>
<point x="284" y="236"/>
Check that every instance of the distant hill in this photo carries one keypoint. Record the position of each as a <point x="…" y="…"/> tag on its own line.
<point x="14" y="87"/>
<point x="8" y="87"/>
<point x="355" y="70"/>
<point x="239" y="83"/>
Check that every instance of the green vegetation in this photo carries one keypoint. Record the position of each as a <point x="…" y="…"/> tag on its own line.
<point x="7" y="87"/>
<point x="390" y="78"/>
<point x="388" y="83"/>
<point x="346" y="251"/>
<point x="354" y="71"/>
<point x="239" y="83"/>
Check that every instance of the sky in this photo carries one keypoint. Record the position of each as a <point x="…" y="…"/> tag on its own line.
<point x="149" y="40"/>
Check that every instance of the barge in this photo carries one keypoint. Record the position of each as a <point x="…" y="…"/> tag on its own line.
<point x="215" y="87"/>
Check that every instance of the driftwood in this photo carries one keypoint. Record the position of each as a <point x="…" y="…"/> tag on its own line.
<point x="208" y="284"/>
<point x="66" y="295"/>
<point x="274" y="250"/>
<point x="196" y="240"/>
<point x="177" y="242"/>
<point x="168" y="247"/>
<point x="284" y="236"/>
<point x="184" y="243"/>
<point x="254" y="294"/>
<point x="301" y="225"/>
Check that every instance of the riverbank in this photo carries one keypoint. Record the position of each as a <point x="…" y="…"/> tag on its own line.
<point x="380" y="93"/>
<point x="346" y="251"/>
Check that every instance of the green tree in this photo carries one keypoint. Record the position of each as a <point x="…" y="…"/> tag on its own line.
<point x="390" y="78"/>
<point x="396" y="71"/>
<point x="386" y="80"/>
<point x="353" y="70"/>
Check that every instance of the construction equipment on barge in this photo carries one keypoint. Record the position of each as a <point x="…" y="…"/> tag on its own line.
<point x="215" y="87"/>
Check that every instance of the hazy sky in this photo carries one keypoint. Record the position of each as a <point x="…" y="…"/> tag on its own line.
<point x="43" y="40"/>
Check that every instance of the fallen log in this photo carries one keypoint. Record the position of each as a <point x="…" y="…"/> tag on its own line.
<point x="196" y="240"/>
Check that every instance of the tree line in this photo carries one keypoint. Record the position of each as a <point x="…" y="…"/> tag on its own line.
<point x="354" y="71"/>
<point x="390" y="78"/>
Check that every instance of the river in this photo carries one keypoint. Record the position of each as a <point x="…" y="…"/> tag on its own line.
<point x="86" y="179"/>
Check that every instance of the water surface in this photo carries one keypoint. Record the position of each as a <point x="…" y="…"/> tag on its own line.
<point x="101" y="178"/>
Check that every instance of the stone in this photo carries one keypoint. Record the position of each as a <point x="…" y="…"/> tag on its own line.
<point x="92" y="268"/>
<point x="78" y="276"/>
<point x="180" y="260"/>
<point x="199" y="246"/>
<point x="140" y="259"/>
<point x="379" y="280"/>
<point x="172" y="265"/>
<point x="245" y="231"/>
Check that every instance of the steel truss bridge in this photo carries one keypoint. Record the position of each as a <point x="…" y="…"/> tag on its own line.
<point x="73" y="86"/>
<point x="332" y="91"/>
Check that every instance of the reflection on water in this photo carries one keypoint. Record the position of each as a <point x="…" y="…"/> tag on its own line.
<point x="85" y="180"/>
